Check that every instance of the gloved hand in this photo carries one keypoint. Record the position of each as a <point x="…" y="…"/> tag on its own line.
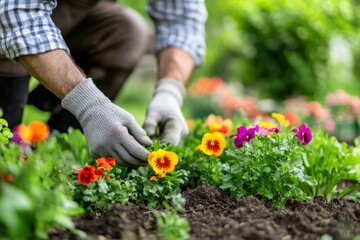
<point x="110" y="130"/>
<point x="164" y="112"/>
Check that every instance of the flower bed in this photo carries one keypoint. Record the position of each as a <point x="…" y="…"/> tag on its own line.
<point x="229" y="178"/>
<point x="212" y="214"/>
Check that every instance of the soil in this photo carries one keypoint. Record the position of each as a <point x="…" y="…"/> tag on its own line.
<point x="212" y="214"/>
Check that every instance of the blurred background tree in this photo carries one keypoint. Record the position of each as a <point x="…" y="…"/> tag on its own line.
<point x="282" y="48"/>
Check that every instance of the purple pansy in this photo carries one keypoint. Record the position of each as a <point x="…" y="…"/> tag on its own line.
<point x="243" y="135"/>
<point x="304" y="134"/>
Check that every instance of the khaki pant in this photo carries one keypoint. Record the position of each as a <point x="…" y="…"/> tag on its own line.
<point x="105" y="39"/>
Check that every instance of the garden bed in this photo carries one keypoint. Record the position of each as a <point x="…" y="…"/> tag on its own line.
<point x="212" y="214"/>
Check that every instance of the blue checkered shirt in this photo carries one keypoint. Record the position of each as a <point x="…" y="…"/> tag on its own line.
<point x="26" y="27"/>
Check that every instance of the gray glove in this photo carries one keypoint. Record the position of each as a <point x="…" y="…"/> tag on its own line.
<point x="164" y="112"/>
<point x="110" y="130"/>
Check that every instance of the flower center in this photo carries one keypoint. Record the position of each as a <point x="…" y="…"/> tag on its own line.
<point x="213" y="145"/>
<point x="163" y="163"/>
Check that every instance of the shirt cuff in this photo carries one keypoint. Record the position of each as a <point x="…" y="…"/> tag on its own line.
<point x="36" y="35"/>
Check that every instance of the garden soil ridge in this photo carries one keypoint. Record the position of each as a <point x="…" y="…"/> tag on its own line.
<point x="213" y="214"/>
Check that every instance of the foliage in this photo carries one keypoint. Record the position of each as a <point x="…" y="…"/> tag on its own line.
<point x="74" y="141"/>
<point x="170" y="225"/>
<point x="329" y="162"/>
<point x="283" y="48"/>
<point x="155" y="192"/>
<point x="5" y="132"/>
<point x="100" y="195"/>
<point x="203" y="169"/>
<point x="122" y="185"/>
<point x="33" y="192"/>
<point x="269" y="167"/>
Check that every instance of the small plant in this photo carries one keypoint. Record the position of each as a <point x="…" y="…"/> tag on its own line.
<point x="97" y="187"/>
<point x="34" y="197"/>
<point x="170" y="225"/>
<point x="104" y="183"/>
<point x="5" y="132"/>
<point x="267" y="163"/>
<point x="329" y="162"/>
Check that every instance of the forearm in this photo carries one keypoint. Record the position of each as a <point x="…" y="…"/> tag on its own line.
<point x="55" y="70"/>
<point x="175" y="63"/>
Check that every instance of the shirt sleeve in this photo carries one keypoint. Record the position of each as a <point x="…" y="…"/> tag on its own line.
<point x="180" y="23"/>
<point x="26" y="28"/>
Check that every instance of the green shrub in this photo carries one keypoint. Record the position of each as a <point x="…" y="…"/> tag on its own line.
<point x="281" y="48"/>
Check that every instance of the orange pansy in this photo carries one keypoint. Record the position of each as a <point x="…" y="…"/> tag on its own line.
<point x="35" y="132"/>
<point x="153" y="179"/>
<point x="103" y="163"/>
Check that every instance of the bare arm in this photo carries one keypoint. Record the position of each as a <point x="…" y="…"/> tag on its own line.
<point x="175" y="63"/>
<point x="55" y="70"/>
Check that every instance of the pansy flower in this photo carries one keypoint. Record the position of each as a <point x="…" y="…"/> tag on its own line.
<point x="281" y="119"/>
<point x="266" y="128"/>
<point x="243" y="135"/>
<point x="161" y="175"/>
<point x="35" y="132"/>
<point x="153" y="179"/>
<point x="304" y="134"/>
<point x="218" y="124"/>
<point x="212" y="144"/>
<point x="163" y="161"/>
<point x="87" y="175"/>
<point x="103" y="163"/>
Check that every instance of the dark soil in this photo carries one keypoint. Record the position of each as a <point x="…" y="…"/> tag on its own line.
<point x="212" y="214"/>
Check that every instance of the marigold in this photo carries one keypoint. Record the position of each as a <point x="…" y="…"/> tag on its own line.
<point x="35" y="132"/>
<point x="212" y="144"/>
<point x="103" y="163"/>
<point x="163" y="161"/>
<point x="86" y="175"/>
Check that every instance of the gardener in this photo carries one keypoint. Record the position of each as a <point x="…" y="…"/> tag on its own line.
<point x="106" y="41"/>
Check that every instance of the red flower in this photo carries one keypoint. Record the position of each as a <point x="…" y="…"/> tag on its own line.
<point x="111" y="161"/>
<point x="99" y="171"/>
<point x="104" y="163"/>
<point x="87" y="175"/>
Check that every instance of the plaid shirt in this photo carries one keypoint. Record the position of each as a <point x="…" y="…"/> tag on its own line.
<point x="26" y="27"/>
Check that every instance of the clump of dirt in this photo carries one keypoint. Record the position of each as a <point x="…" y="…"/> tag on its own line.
<point x="213" y="214"/>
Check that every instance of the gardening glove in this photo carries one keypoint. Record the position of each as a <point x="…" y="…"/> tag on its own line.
<point x="164" y="115"/>
<point x="110" y="130"/>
